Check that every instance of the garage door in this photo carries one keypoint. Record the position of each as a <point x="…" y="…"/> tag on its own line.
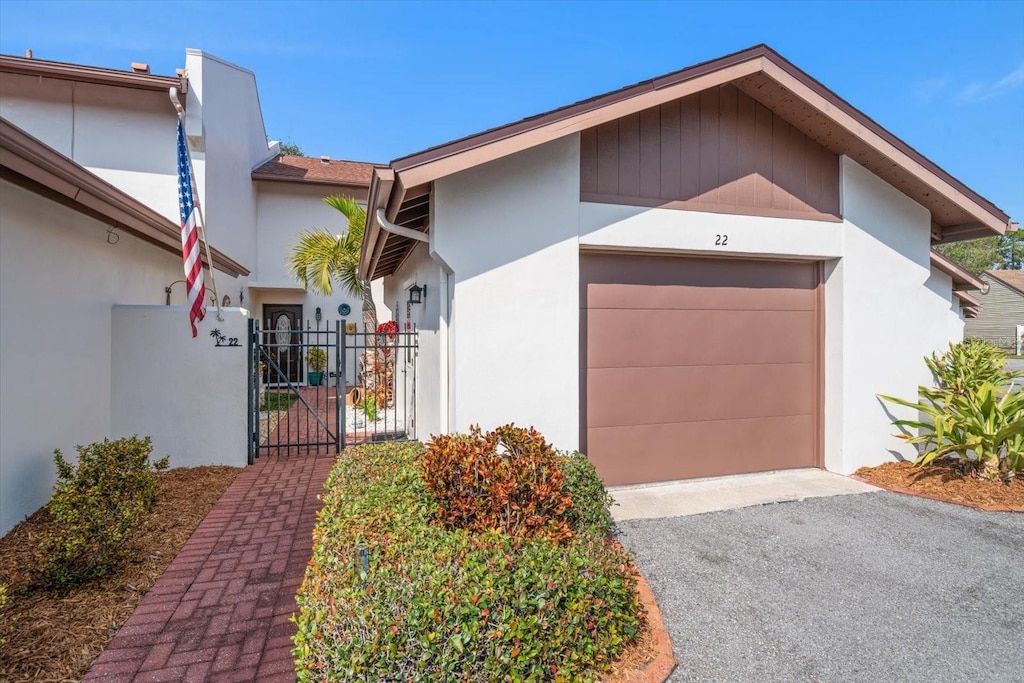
<point x="698" y="367"/>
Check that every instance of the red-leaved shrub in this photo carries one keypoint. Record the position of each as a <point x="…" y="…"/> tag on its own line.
<point x="508" y="480"/>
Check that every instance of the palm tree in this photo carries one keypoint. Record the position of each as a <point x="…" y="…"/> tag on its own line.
<point x="319" y="259"/>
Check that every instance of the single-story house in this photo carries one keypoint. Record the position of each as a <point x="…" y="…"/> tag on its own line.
<point x="710" y="272"/>
<point x="1002" y="309"/>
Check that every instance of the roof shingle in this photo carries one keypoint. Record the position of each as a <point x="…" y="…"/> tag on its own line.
<point x="289" y="168"/>
<point x="1014" y="278"/>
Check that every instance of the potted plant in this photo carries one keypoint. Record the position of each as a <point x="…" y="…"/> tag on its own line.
<point x="317" y="359"/>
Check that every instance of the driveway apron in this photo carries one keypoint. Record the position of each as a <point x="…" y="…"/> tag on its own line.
<point x="221" y="610"/>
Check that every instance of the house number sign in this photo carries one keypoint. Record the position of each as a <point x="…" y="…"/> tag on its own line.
<point x="221" y="340"/>
<point x="721" y="240"/>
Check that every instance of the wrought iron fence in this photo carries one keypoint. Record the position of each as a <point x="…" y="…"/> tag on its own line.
<point x="317" y="390"/>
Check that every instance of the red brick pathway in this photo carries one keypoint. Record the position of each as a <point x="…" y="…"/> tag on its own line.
<point x="220" y="612"/>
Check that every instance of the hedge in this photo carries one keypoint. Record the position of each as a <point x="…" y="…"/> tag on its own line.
<point x="392" y="595"/>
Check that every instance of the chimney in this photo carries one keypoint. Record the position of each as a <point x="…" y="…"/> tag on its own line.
<point x="28" y="53"/>
<point x="325" y="160"/>
<point x="140" y="68"/>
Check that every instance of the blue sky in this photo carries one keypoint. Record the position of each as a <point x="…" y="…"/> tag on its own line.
<point x="375" y="81"/>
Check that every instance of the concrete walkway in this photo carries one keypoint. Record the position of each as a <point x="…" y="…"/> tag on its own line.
<point x="697" y="496"/>
<point x="221" y="610"/>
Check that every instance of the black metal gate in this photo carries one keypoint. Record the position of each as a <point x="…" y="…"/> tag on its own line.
<point x="316" y="390"/>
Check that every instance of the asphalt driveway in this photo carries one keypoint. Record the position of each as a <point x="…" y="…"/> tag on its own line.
<point x="872" y="587"/>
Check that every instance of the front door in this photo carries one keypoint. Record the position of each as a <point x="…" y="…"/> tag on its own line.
<point x="281" y="323"/>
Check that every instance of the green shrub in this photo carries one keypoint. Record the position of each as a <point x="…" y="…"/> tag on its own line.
<point x="95" y="506"/>
<point x="429" y="603"/>
<point x="970" y="415"/>
<point x="317" y="359"/>
<point x="590" y="501"/>
<point x="966" y="366"/>
<point x="509" y="479"/>
<point x="369" y="406"/>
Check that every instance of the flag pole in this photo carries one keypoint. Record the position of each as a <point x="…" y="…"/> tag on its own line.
<point x="201" y="223"/>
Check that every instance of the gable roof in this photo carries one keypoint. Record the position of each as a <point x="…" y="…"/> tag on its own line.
<point x="403" y="190"/>
<point x="316" y="170"/>
<point x="29" y="163"/>
<point x="91" y="74"/>
<point x="1014" y="279"/>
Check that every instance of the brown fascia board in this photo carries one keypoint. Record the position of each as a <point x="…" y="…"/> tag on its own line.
<point x="967" y="299"/>
<point x="374" y="238"/>
<point x="428" y="165"/>
<point x="963" y="279"/>
<point x="91" y="74"/>
<point x="357" y="192"/>
<point x="38" y="167"/>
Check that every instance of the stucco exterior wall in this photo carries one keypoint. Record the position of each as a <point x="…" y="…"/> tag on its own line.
<point x="59" y="279"/>
<point x="895" y="311"/>
<point x="224" y="112"/>
<point x="509" y="232"/>
<point x="126" y="137"/>
<point x="430" y="397"/>
<point x="188" y="394"/>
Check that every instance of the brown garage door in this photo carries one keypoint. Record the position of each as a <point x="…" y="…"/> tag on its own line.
<point x="698" y="367"/>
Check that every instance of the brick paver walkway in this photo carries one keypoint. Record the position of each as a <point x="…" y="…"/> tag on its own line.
<point x="220" y="612"/>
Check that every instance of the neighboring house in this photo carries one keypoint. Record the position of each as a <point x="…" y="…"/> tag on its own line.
<point x="89" y="221"/>
<point x="1002" y="309"/>
<point x="711" y="272"/>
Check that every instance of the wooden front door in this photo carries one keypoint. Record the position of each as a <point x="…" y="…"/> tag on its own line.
<point x="280" y="325"/>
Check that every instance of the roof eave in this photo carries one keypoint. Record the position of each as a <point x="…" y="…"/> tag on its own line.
<point x="91" y="74"/>
<point x="963" y="279"/>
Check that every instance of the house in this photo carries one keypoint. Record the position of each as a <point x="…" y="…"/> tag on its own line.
<point x="711" y="272"/>
<point x="90" y="253"/>
<point x="1002" y="309"/>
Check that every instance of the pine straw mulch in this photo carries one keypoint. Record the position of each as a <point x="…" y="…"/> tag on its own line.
<point x="56" y="638"/>
<point x="945" y="482"/>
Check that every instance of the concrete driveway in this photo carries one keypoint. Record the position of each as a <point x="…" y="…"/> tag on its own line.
<point x="871" y="587"/>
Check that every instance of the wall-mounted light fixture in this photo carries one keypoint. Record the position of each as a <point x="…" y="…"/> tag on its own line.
<point x="417" y="294"/>
<point x="167" y="291"/>
<point x="319" y="315"/>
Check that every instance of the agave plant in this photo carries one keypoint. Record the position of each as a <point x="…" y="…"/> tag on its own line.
<point x="972" y="414"/>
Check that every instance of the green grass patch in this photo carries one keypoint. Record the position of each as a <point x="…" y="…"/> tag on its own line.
<point x="277" y="400"/>
<point x="392" y="595"/>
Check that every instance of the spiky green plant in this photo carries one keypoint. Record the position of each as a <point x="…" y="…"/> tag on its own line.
<point x="973" y="413"/>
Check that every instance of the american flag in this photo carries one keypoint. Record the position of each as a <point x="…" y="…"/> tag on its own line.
<point x="190" y="236"/>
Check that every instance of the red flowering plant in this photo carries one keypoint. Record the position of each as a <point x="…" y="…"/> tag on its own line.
<point x="390" y="328"/>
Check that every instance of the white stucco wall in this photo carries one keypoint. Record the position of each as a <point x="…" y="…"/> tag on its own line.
<point x="127" y="137"/>
<point x="224" y="114"/>
<point x="59" y="279"/>
<point x="514" y="249"/>
<point x="430" y="396"/>
<point x="895" y="310"/>
<point x="188" y="394"/>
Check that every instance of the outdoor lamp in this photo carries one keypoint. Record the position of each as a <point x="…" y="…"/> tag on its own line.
<point x="318" y="314"/>
<point x="417" y="294"/>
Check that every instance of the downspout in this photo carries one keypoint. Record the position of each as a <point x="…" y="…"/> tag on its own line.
<point x="388" y="226"/>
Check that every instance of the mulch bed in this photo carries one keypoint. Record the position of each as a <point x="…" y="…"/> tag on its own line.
<point x="944" y="481"/>
<point x="56" y="638"/>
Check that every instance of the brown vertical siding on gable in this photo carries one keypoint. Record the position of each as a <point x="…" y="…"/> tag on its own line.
<point x="719" y="150"/>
